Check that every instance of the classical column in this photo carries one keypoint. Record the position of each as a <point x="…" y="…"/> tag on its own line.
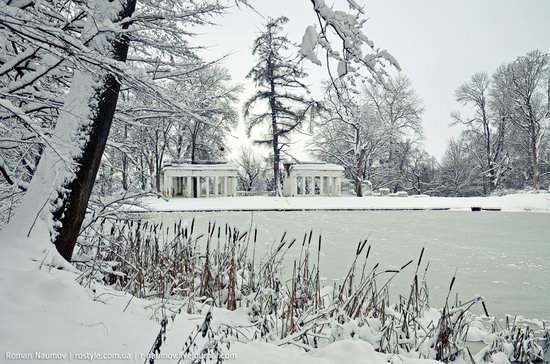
<point x="216" y="185"/>
<point x="234" y="186"/>
<point x="338" y="186"/>
<point x="293" y="186"/>
<point x="321" y="185"/>
<point x="168" y="181"/>
<point x="199" y="186"/>
<point x="224" y="184"/>
<point x="312" y="186"/>
<point x="303" y="185"/>
<point x="207" y="184"/>
<point x="189" y="186"/>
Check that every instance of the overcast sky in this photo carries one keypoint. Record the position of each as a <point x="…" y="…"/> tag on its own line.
<point x="438" y="43"/>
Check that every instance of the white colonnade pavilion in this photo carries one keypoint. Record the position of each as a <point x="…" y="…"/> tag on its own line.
<point x="313" y="178"/>
<point x="199" y="180"/>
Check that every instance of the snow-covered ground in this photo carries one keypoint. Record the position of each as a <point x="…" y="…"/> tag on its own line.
<point x="513" y="202"/>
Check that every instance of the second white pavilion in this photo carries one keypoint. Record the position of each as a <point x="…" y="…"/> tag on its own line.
<point x="312" y="179"/>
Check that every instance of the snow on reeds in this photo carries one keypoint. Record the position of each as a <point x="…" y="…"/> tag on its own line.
<point x="219" y="268"/>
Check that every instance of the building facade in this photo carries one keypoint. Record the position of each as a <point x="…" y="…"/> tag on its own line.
<point x="312" y="179"/>
<point x="199" y="180"/>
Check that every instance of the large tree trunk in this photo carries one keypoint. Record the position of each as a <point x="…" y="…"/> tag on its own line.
<point x="65" y="176"/>
<point x="157" y="180"/>
<point x="487" y="184"/>
<point x="275" y="142"/>
<point x="276" y="154"/>
<point x="276" y="165"/>
<point x="142" y="172"/>
<point x="71" y="207"/>
<point x="125" y="162"/>
<point x="533" y="147"/>
<point x="360" y="172"/>
<point x="534" y="157"/>
<point x="195" y="180"/>
<point x="488" y="158"/>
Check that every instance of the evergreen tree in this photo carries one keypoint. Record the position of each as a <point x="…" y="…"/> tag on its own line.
<point x="279" y="80"/>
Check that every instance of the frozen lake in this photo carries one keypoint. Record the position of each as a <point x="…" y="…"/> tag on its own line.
<point x="503" y="256"/>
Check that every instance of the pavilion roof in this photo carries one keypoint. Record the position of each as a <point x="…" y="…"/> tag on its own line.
<point x="201" y="167"/>
<point x="316" y="166"/>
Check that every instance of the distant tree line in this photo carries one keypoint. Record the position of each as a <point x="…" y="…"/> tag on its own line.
<point x="374" y="129"/>
<point x="375" y="132"/>
<point x="506" y="143"/>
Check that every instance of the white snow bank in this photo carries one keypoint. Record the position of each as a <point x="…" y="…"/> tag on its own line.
<point x="516" y="202"/>
<point x="45" y="311"/>
<point x="350" y="351"/>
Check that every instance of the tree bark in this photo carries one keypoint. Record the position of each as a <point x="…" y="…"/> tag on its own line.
<point x="125" y="162"/>
<point x="67" y="172"/>
<point x="534" y="156"/>
<point x="360" y="172"/>
<point x="275" y="134"/>
<point x="142" y="172"/>
<point x="72" y="209"/>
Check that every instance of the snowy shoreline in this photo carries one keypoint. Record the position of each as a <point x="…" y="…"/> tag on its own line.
<point x="510" y="203"/>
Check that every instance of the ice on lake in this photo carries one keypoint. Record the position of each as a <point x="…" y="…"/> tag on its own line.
<point x="503" y="256"/>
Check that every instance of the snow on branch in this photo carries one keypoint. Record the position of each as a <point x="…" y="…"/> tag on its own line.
<point x="357" y="49"/>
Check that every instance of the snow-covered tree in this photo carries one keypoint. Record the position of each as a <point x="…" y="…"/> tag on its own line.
<point x="349" y="134"/>
<point x="422" y="173"/>
<point x="459" y="171"/>
<point x="526" y="87"/>
<point x="371" y="131"/>
<point x="251" y="171"/>
<point x="146" y="133"/>
<point x="507" y="119"/>
<point x="91" y="39"/>
<point x="399" y="110"/>
<point x="488" y="124"/>
<point x="211" y="97"/>
<point x="281" y="100"/>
